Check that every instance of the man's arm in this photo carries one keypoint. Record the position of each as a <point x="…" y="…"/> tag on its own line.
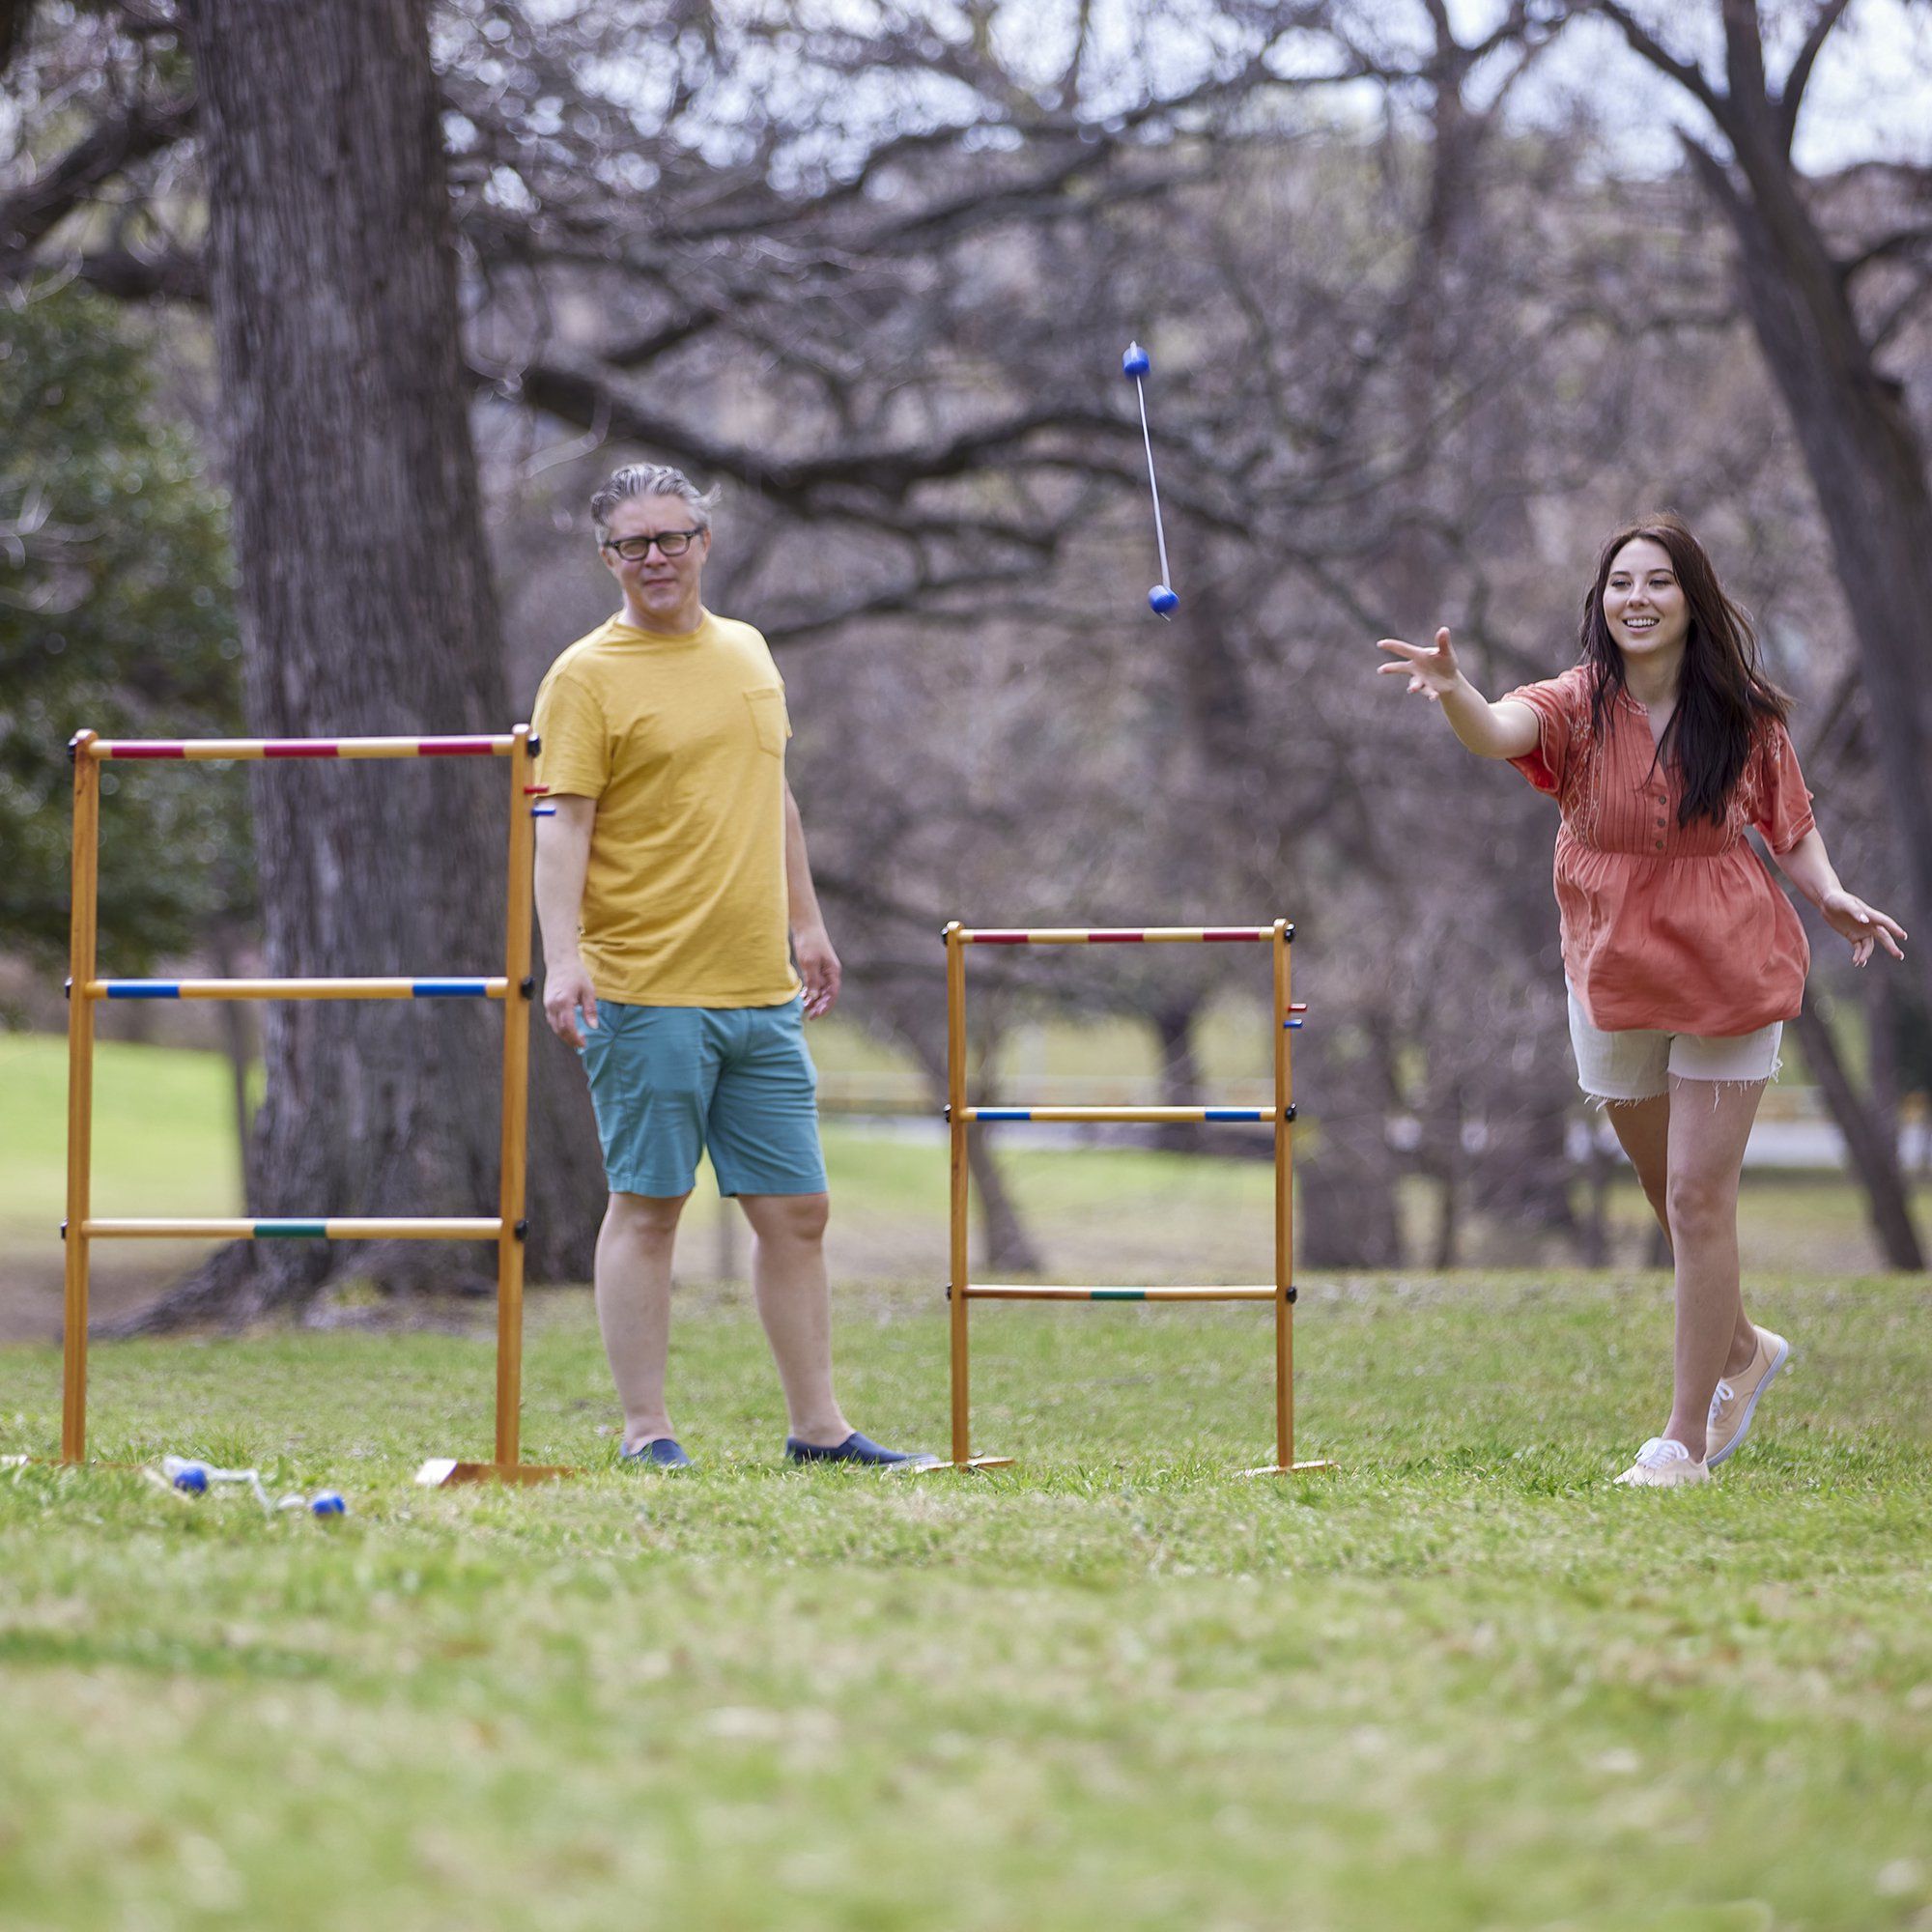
<point x="817" y="964"/>
<point x="563" y="858"/>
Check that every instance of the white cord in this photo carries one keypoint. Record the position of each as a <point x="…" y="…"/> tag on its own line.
<point x="1146" y="437"/>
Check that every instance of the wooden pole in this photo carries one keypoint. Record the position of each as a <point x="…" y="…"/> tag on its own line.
<point x="84" y="902"/>
<point x="1283" y="1463"/>
<point x="956" y="1115"/>
<point x="1284" y="1210"/>
<point x="515" y="1149"/>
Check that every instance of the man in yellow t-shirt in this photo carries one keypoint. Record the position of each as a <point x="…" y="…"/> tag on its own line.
<point x="666" y="884"/>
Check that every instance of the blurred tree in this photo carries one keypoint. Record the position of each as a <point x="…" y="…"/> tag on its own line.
<point x="1410" y="361"/>
<point x="1834" y="293"/>
<point x="368" y="609"/>
<point x="116" y="612"/>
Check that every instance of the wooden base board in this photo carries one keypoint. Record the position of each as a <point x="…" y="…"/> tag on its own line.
<point x="1290" y="1469"/>
<point x="444" y="1473"/>
<point x="972" y="1462"/>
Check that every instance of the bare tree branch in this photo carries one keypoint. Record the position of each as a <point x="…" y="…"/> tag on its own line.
<point x="1796" y="81"/>
<point x="1686" y="73"/>
<point x="128" y="277"/>
<point x="29" y="214"/>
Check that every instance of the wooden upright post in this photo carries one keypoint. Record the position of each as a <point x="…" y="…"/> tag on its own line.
<point x="958" y="1264"/>
<point x="955" y="1117"/>
<point x="515" y="1147"/>
<point x="1283" y="1463"/>
<point x="1284" y="1212"/>
<point x="84" y="892"/>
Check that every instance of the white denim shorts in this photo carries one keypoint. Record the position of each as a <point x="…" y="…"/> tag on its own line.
<point x="1636" y="1065"/>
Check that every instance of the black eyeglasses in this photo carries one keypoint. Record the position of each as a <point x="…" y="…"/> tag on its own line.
<point x="635" y="550"/>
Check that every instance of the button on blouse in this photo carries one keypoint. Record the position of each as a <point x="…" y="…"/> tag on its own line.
<point x="1677" y="927"/>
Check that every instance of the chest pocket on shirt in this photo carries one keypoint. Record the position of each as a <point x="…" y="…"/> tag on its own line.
<point x="767" y="706"/>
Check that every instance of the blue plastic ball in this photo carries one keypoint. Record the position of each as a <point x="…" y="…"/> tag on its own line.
<point x="193" y="1479"/>
<point x="1163" y="600"/>
<point x="329" y="1503"/>
<point x="1136" y="361"/>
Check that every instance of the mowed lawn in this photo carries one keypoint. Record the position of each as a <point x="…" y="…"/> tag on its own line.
<point x="1459" y="1682"/>
<point x="165" y="1145"/>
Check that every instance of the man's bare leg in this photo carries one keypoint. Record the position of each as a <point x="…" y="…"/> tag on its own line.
<point x="795" y="1305"/>
<point x="634" y="1255"/>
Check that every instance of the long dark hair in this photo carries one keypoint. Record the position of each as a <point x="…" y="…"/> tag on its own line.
<point x="1722" y="698"/>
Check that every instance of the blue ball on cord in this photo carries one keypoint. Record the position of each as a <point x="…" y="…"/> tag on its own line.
<point x="1162" y="599"/>
<point x="329" y="1503"/>
<point x="1136" y="361"/>
<point x="192" y="1478"/>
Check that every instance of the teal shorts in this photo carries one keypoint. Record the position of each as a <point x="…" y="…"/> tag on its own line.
<point x="669" y="1083"/>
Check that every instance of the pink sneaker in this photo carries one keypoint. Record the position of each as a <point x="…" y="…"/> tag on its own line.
<point x="1736" y="1399"/>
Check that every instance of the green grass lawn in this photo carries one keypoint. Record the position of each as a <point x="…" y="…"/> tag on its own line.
<point x="165" y="1145"/>
<point x="1460" y="1683"/>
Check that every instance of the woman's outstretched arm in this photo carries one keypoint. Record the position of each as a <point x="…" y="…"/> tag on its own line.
<point x="1505" y="730"/>
<point x="1808" y="866"/>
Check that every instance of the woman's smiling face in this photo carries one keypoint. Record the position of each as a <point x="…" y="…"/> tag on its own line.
<point x="1643" y="602"/>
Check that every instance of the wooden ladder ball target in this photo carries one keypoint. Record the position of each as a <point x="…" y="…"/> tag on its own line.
<point x="961" y="1291"/>
<point x="515" y="988"/>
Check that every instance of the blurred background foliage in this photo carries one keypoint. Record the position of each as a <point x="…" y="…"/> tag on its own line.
<point x="1434" y="297"/>
<point x="116" y="614"/>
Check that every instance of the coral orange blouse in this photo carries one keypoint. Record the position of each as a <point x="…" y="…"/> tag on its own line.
<point x="1681" y="928"/>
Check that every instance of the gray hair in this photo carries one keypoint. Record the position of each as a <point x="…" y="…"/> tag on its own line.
<point x="650" y="479"/>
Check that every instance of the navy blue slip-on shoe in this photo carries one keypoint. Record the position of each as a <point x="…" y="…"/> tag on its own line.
<point x="659" y="1453"/>
<point x="857" y="1448"/>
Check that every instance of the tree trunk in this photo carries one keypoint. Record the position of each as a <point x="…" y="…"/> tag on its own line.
<point x="1441" y="1159"/>
<point x="1595" y="1241"/>
<point x="1010" y="1248"/>
<point x="1854" y="426"/>
<point x="366" y="608"/>
<point x="1521" y="1175"/>
<point x="238" y="1046"/>
<point x="1180" y="1072"/>
<point x="1348" y="1197"/>
<point x="1350" y="1215"/>
<point x="1874" y="1150"/>
<point x="916" y="1012"/>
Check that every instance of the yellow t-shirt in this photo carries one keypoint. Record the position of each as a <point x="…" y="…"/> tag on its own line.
<point x="681" y="741"/>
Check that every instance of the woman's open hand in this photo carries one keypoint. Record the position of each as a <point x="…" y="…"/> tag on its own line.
<point x="1431" y="669"/>
<point x="1864" y="925"/>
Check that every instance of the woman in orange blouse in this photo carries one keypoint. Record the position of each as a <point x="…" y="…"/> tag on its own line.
<point x="1682" y="958"/>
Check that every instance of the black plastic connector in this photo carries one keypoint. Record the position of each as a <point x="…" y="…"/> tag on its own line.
<point x="526" y="985"/>
<point x="522" y="1231"/>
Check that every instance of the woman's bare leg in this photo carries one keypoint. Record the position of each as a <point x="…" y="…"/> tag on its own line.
<point x="1710" y="1123"/>
<point x="1642" y="1128"/>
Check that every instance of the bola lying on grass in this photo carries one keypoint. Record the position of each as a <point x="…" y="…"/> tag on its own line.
<point x="1682" y="956"/>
